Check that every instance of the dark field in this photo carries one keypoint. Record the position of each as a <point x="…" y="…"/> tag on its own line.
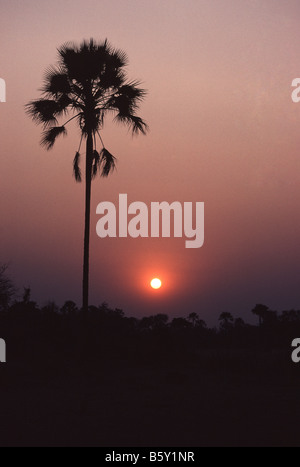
<point x="210" y="398"/>
<point x="102" y="379"/>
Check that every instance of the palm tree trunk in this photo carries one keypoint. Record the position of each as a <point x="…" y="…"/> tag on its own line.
<point x="86" y="255"/>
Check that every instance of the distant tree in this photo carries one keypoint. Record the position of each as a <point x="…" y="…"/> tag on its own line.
<point x="146" y="323"/>
<point x="26" y="295"/>
<point x="160" y="321"/>
<point x="193" y="318"/>
<point x="88" y="84"/>
<point x="226" y="320"/>
<point x="201" y="324"/>
<point x="116" y="313"/>
<point x="239" y="323"/>
<point x="26" y="305"/>
<point x="69" y="307"/>
<point x="132" y="323"/>
<point x="290" y="316"/>
<point x="7" y="289"/>
<point x="50" y="307"/>
<point x="150" y="323"/>
<point x="180" y="323"/>
<point x="261" y="311"/>
<point x="104" y="308"/>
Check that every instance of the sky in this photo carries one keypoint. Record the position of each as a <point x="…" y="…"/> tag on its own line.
<point x="223" y="131"/>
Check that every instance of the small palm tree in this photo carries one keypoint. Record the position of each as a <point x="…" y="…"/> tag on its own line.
<point x="262" y="312"/>
<point x="87" y="84"/>
<point x="226" y="319"/>
<point x="193" y="318"/>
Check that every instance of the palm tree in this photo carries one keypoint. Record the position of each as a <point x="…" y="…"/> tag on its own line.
<point x="193" y="318"/>
<point x="88" y="82"/>
<point x="226" y="319"/>
<point x="261" y="311"/>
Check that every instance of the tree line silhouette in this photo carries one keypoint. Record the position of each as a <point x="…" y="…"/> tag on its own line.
<point x="120" y="380"/>
<point x="107" y="333"/>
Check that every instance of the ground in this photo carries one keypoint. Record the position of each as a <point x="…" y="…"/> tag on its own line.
<point x="220" y="398"/>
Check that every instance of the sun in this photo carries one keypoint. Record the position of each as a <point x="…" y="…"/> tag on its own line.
<point x="156" y="283"/>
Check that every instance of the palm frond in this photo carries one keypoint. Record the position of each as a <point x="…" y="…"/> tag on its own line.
<point x="46" y="111"/>
<point x="63" y="102"/>
<point x="96" y="163"/>
<point x="78" y="90"/>
<point x="133" y="91"/>
<point x="122" y="104"/>
<point x="118" y="58"/>
<point x="49" y="136"/>
<point x="136" y="124"/>
<point x="76" y="168"/>
<point x="110" y="78"/>
<point x="108" y="162"/>
<point x="57" y="81"/>
<point x="43" y="111"/>
<point x="127" y="98"/>
<point x="126" y="103"/>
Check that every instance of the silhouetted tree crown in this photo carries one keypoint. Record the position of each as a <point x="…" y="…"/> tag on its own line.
<point x="262" y="312"/>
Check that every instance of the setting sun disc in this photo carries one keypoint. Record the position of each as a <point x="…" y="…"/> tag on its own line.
<point x="156" y="283"/>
